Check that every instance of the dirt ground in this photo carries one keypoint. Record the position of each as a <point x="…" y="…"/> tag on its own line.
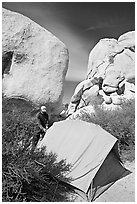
<point x="123" y="190"/>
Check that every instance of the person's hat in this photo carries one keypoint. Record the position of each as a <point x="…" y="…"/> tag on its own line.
<point x="43" y="108"/>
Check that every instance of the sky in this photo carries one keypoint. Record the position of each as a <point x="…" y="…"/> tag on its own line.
<point x="80" y="25"/>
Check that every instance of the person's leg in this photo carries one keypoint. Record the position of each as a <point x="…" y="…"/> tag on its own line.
<point x="42" y="134"/>
<point x="37" y="137"/>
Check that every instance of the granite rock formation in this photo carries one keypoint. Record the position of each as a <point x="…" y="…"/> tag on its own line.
<point x="35" y="62"/>
<point x="112" y="65"/>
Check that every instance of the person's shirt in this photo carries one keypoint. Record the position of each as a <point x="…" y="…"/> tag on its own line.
<point x="43" y="119"/>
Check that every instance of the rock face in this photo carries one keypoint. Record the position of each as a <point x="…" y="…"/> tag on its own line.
<point x="35" y="62"/>
<point x="114" y="61"/>
<point x="112" y="67"/>
<point x="87" y="110"/>
<point x="85" y="94"/>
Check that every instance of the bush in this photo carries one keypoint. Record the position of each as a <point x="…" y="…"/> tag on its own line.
<point x="28" y="175"/>
<point x="120" y="122"/>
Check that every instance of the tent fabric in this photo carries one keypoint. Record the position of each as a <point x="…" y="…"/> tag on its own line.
<point x="86" y="147"/>
<point x="110" y="171"/>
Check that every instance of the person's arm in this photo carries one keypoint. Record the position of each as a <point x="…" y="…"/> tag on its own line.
<point x="47" y="123"/>
<point x="39" y="123"/>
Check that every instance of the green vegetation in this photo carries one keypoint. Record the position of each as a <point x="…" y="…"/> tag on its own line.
<point x="28" y="175"/>
<point x="120" y="123"/>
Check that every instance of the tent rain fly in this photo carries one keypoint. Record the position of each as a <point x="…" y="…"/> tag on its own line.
<point x="92" y="153"/>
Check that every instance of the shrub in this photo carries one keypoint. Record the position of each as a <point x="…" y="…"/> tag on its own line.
<point x="28" y="175"/>
<point x="120" y="122"/>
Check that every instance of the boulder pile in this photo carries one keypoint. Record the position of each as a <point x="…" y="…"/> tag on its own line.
<point x="110" y="74"/>
<point x="114" y="61"/>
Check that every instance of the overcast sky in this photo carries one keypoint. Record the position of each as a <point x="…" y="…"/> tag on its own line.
<point x="80" y="25"/>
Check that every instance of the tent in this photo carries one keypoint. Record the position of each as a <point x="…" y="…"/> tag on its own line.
<point x="92" y="153"/>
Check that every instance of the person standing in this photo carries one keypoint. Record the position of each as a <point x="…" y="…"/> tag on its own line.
<point x="43" y="123"/>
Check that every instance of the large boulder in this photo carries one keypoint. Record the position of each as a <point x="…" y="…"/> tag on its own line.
<point x="35" y="62"/>
<point x="127" y="40"/>
<point x="82" y="113"/>
<point x="84" y="95"/>
<point x="113" y="54"/>
<point x="101" y="56"/>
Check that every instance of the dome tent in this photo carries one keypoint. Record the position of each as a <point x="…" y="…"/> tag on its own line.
<point x="92" y="153"/>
